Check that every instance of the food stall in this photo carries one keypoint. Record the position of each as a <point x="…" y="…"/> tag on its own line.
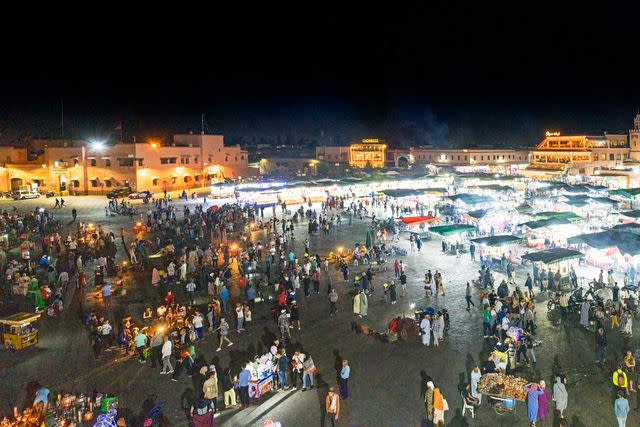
<point x="503" y="389"/>
<point x="454" y="235"/>
<point x="18" y="331"/>
<point x="556" y="259"/>
<point x="493" y="247"/>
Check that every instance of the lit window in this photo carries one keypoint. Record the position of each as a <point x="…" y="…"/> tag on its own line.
<point x="155" y="181"/>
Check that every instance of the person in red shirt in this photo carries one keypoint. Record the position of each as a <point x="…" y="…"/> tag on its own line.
<point x="169" y="299"/>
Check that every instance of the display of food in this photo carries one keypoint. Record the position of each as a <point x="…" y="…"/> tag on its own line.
<point x="503" y="386"/>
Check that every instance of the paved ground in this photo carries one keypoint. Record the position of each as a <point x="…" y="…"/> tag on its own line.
<point x="386" y="378"/>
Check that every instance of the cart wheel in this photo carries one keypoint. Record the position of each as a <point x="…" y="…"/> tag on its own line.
<point x="403" y="335"/>
<point x="499" y="408"/>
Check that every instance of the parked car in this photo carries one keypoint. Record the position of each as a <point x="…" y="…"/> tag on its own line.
<point x="24" y="194"/>
<point x="47" y="193"/>
<point x="119" y="192"/>
<point x="141" y="195"/>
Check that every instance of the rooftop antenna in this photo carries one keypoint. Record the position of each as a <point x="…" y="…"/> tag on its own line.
<point x="202" y="124"/>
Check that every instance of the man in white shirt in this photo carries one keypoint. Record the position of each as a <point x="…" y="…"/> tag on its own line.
<point x="191" y="292"/>
<point x="198" y="324"/>
<point x="167" y="348"/>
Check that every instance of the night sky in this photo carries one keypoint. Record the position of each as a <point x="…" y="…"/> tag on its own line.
<point x="461" y="75"/>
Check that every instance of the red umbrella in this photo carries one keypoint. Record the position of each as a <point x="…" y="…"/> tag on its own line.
<point x="419" y="219"/>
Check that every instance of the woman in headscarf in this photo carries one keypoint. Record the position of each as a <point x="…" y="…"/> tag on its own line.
<point x="475" y="379"/>
<point x="364" y="304"/>
<point x="533" y="392"/>
<point x="560" y="395"/>
<point x="428" y="401"/>
<point x="356" y="304"/>
<point x="584" y="313"/>
<point x="543" y="401"/>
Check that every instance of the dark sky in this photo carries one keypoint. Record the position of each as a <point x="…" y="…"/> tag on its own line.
<point x="456" y="74"/>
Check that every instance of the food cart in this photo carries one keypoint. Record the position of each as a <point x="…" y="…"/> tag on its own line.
<point x="503" y="391"/>
<point x="18" y="331"/>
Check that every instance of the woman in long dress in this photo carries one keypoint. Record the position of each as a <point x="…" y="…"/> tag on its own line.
<point x="533" y="392"/>
<point x="364" y="304"/>
<point x="475" y="379"/>
<point x="543" y="401"/>
<point x="560" y="395"/>
<point x="356" y="304"/>
<point x="584" y="314"/>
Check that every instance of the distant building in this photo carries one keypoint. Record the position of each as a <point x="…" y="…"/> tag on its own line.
<point x="474" y="158"/>
<point x="560" y="154"/>
<point x="80" y="167"/>
<point x="634" y="139"/>
<point x="371" y="152"/>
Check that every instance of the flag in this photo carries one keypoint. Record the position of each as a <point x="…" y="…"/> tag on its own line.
<point x="118" y="126"/>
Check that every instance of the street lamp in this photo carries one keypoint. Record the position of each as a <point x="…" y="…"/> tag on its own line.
<point x="97" y="145"/>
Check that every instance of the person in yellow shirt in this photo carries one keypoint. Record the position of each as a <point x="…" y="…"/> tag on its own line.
<point x="620" y="380"/>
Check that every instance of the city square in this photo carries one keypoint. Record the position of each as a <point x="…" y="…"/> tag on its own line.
<point x="283" y="215"/>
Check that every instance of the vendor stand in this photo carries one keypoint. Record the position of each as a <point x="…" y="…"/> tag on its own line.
<point x="18" y="331"/>
<point x="556" y="259"/>
<point x="454" y="235"/>
<point x="262" y="375"/>
<point x="503" y="391"/>
<point x="493" y="247"/>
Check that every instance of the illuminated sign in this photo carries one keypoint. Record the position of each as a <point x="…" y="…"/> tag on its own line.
<point x="556" y="133"/>
<point x="370" y="140"/>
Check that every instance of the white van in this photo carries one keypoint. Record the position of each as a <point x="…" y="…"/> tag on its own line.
<point x="24" y="194"/>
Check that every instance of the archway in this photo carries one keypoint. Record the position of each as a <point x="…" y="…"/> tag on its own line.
<point x="403" y="162"/>
<point x="16" y="183"/>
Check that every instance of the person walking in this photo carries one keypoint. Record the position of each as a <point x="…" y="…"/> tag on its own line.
<point x="332" y="406"/>
<point x="191" y="292"/>
<point x="140" y="339"/>
<point x="621" y="409"/>
<point x="345" y="372"/>
<point x="228" y="389"/>
<point x="364" y="304"/>
<point x="533" y="392"/>
<point x="308" y="371"/>
<point x="403" y="284"/>
<point x="467" y="296"/>
<point x="439" y="407"/>
<point x="210" y="388"/>
<point x="333" y="299"/>
<point x="560" y="395"/>
<point x="601" y="344"/>
<point x="297" y="368"/>
<point x="224" y="331"/>
<point x="167" y="349"/>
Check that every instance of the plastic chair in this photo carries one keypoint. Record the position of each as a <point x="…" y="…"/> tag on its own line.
<point x="466" y="406"/>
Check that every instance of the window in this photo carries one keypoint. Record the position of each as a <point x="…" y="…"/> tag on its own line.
<point x="195" y="160"/>
<point x="242" y="157"/>
<point x="209" y="159"/>
<point x="107" y="162"/>
<point x="75" y="162"/>
<point x="75" y="183"/>
<point x="155" y="182"/>
<point x="474" y="158"/>
<point x="140" y="162"/>
<point x="611" y="156"/>
<point x="108" y="183"/>
<point x="125" y="162"/>
<point x="184" y="160"/>
<point x="619" y="156"/>
<point x="94" y="182"/>
<point x="236" y="158"/>
<point x="226" y="158"/>
<point x="458" y="157"/>
<point x="93" y="162"/>
<point x="481" y="157"/>
<point x="185" y="179"/>
<point x="197" y="178"/>
<point x="168" y="160"/>
<point x="465" y="157"/>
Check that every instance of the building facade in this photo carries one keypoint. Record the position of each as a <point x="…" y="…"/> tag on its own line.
<point x="560" y="154"/>
<point x="459" y="157"/>
<point x="79" y="167"/>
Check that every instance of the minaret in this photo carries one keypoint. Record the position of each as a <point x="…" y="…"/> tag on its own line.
<point x="634" y="138"/>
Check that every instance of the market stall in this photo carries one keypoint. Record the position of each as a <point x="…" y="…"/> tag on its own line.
<point x="609" y="250"/>
<point x="556" y="259"/>
<point x="454" y="235"/>
<point x="493" y="247"/>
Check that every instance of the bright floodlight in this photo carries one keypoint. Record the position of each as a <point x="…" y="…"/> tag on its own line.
<point x="97" y="145"/>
